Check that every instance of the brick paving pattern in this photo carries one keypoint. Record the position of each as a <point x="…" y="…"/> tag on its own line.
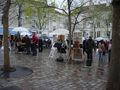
<point x="51" y="75"/>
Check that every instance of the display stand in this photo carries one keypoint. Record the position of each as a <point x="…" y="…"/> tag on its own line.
<point x="77" y="54"/>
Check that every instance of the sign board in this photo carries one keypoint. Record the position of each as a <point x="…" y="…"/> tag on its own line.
<point x="77" y="54"/>
<point x="77" y="35"/>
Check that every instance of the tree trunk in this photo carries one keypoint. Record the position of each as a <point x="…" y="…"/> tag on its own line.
<point x="114" y="70"/>
<point x="20" y="15"/>
<point x="69" y="28"/>
<point x="5" y="35"/>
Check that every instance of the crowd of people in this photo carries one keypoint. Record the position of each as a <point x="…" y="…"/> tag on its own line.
<point x="27" y="44"/>
<point x="35" y="44"/>
<point x="102" y="47"/>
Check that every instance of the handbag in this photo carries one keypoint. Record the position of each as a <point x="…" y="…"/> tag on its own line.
<point x="63" y="50"/>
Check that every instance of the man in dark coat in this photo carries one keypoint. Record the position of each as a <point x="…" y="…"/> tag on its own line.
<point x="40" y="45"/>
<point x="90" y="45"/>
<point x="84" y="46"/>
<point x="28" y="44"/>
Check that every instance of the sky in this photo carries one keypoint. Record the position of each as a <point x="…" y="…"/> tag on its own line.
<point x="59" y="2"/>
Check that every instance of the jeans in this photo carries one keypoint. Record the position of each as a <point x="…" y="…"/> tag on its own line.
<point x="89" y="58"/>
<point x="89" y="55"/>
<point x="40" y="48"/>
<point x="28" y="49"/>
<point x="34" y="49"/>
<point x="100" y="56"/>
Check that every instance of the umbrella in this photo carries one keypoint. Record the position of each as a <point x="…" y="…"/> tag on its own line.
<point x="10" y="31"/>
<point x="25" y="33"/>
<point x="59" y="32"/>
<point x="20" y="29"/>
<point x="99" y="38"/>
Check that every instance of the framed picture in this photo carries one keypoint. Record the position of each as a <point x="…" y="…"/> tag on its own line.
<point x="78" y="36"/>
<point x="77" y="53"/>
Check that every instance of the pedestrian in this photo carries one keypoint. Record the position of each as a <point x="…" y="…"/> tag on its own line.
<point x="27" y="44"/>
<point x="90" y="45"/>
<point x="84" y="46"/>
<point x="49" y="43"/>
<point x="103" y="47"/>
<point x="100" y="51"/>
<point x="40" y="45"/>
<point x="34" y="42"/>
<point x="0" y="43"/>
<point x="109" y="50"/>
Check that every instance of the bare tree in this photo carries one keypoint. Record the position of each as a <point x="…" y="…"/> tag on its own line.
<point x="71" y="9"/>
<point x="5" y="23"/>
<point x="2" y="3"/>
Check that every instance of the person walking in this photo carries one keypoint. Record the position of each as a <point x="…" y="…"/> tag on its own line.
<point x="103" y="47"/>
<point x="100" y="51"/>
<point x="84" y="46"/>
<point x="109" y="50"/>
<point x="34" y="43"/>
<point x="40" y="45"/>
<point x="90" y="45"/>
<point x="27" y="44"/>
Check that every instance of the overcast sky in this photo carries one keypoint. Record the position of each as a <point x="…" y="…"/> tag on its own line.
<point x="59" y="2"/>
<point x="76" y="3"/>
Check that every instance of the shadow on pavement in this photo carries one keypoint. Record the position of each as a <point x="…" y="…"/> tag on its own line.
<point x="11" y="88"/>
<point x="19" y="72"/>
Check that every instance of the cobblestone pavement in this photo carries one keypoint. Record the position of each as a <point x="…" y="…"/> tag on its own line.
<point x="51" y="75"/>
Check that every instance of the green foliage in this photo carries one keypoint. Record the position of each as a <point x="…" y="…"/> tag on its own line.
<point x="38" y="12"/>
<point x="28" y="10"/>
<point x="99" y="10"/>
<point x="19" y="1"/>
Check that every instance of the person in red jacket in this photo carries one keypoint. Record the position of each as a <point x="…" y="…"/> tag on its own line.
<point x="34" y="42"/>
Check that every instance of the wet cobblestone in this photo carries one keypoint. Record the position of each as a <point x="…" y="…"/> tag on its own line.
<point x="51" y="75"/>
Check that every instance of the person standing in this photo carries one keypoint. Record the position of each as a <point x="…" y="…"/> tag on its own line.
<point x="84" y="46"/>
<point x="109" y="50"/>
<point x="0" y="43"/>
<point x="27" y="44"/>
<point x="103" y="47"/>
<point x="34" y="43"/>
<point x="100" y="52"/>
<point x="40" y="45"/>
<point x="90" y="45"/>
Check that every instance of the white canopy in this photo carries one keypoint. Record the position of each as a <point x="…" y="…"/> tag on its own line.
<point x="25" y="33"/>
<point x="101" y="38"/>
<point x="59" y="32"/>
<point x="20" y="29"/>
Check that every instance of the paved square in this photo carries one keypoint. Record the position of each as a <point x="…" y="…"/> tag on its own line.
<point x="51" y="75"/>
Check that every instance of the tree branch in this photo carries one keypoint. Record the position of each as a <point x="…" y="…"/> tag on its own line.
<point x="77" y="22"/>
<point x="82" y="20"/>
<point x="80" y="6"/>
<point x="57" y="8"/>
<point x="71" y="2"/>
